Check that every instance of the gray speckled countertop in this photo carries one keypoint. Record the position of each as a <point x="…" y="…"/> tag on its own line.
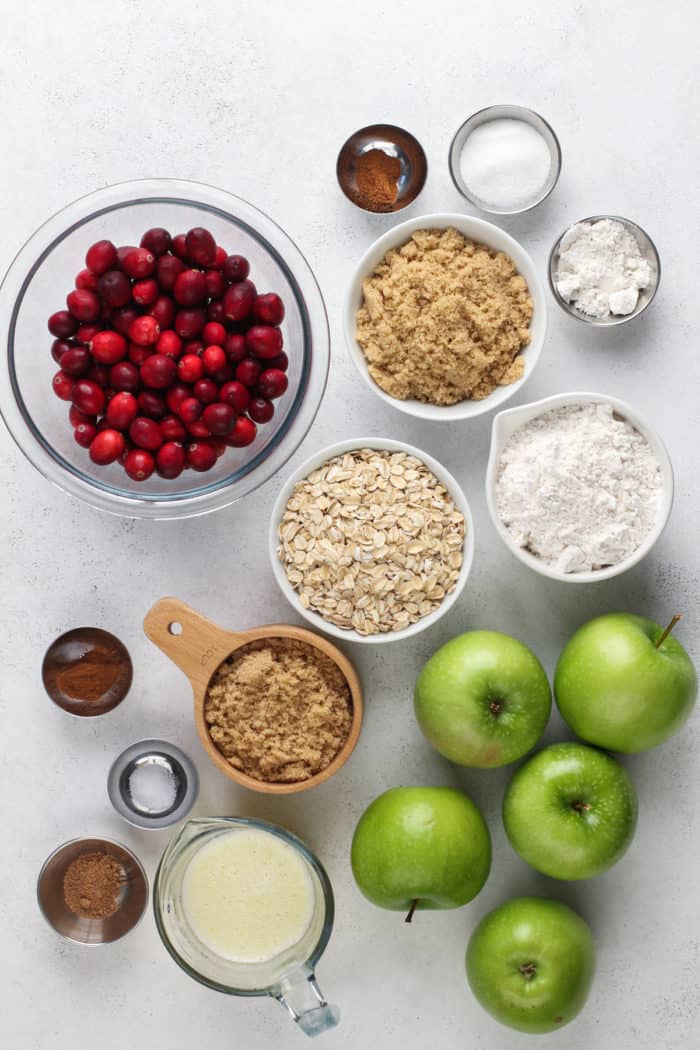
<point x="258" y="102"/>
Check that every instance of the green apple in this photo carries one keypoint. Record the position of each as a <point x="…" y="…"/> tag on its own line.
<point x="624" y="683"/>
<point x="570" y="811"/>
<point x="530" y="964"/>
<point x="483" y="699"/>
<point x="421" y="847"/>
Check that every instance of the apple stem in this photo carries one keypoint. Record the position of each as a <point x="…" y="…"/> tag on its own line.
<point x="664" y="636"/>
<point x="414" y="905"/>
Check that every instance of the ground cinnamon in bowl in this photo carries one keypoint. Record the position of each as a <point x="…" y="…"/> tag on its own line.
<point x="279" y="710"/>
<point x="376" y="175"/>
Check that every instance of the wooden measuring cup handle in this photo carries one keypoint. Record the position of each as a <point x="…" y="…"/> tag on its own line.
<point x="191" y="641"/>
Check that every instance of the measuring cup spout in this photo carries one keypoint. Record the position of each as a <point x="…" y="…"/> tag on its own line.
<point x="301" y="996"/>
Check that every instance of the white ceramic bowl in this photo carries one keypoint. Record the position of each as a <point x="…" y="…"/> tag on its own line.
<point x="506" y="423"/>
<point x="476" y="230"/>
<point x="340" y="449"/>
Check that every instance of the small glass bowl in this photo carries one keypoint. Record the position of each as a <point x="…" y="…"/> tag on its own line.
<point x="484" y="116"/>
<point x="39" y="279"/>
<point x="646" y="295"/>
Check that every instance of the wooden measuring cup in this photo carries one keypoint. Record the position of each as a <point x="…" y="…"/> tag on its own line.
<point x="199" y="646"/>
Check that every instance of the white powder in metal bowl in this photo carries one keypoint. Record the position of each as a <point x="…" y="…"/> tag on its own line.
<point x="601" y="269"/>
<point x="578" y="487"/>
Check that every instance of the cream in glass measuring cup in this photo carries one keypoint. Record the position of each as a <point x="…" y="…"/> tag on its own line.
<point x="244" y="907"/>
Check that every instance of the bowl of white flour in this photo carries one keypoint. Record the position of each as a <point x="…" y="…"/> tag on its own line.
<point x="579" y="486"/>
<point x="604" y="270"/>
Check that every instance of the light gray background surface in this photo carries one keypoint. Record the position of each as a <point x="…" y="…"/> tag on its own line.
<point x="257" y="99"/>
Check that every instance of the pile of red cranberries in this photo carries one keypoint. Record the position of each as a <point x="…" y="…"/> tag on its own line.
<point x="167" y="354"/>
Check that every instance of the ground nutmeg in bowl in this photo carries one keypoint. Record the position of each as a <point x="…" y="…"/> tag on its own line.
<point x="279" y="710"/>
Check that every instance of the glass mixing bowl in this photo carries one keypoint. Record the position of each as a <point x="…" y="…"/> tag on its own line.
<point x="41" y="276"/>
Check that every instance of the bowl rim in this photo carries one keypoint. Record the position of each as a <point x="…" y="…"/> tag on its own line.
<point x="615" y="319"/>
<point x="505" y="111"/>
<point x="484" y="232"/>
<point x="632" y="415"/>
<point x="378" y="444"/>
<point x="307" y="294"/>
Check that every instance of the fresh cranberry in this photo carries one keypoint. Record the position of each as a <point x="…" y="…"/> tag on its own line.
<point x="144" y="330"/>
<point x="86" y="333"/>
<point x="206" y="391"/>
<point x="193" y="346"/>
<point x="146" y="433"/>
<point x="198" y="429"/>
<point x="86" y="280"/>
<point x="215" y="311"/>
<point x="238" y="300"/>
<point x="84" y="434"/>
<point x="122" y="252"/>
<point x="62" y="324"/>
<point x="189" y="410"/>
<point x="216" y="285"/>
<point x="223" y="375"/>
<point x="76" y="361"/>
<point x="114" y="288"/>
<point x="109" y="347"/>
<point x="190" y="368"/>
<point x="220" y="257"/>
<point x="88" y="397"/>
<point x="190" y="322"/>
<point x="169" y="343"/>
<point x="100" y="257"/>
<point x="170" y="459"/>
<point x="243" y="433"/>
<point x="214" y="359"/>
<point x="125" y="376"/>
<point x="268" y="309"/>
<point x="58" y="349"/>
<point x="158" y="371"/>
<point x="190" y="288"/>
<point x="236" y="395"/>
<point x="176" y="395"/>
<point x="139" y="263"/>
<point x="63" y="386"/>
<point x="139" y="354"/>
<point x="200" y="247"/>
<point x="139" y="464"/>
<point x="219" y="418"/>
<point x="201" y="455"/>
<point x="122" y="410"/>
<point x="77" y="417"/>
<point x="236" y="268"/>
<point x="220" y="446"/>
<point x="122" y="318"/>
<point x="172" y="429"/>
<point x="168" y="268"/>
<point x="106" y="446"/>
<point x="261" y="410"/>
<point x="156" y="240"/>
<point x="213" y="333"/>
<point x="179" y="246"/>
<point x="163" y="310"/>
<point x="281" y="362"/>
<point x="263" y="341"/>
<point x="247" y="372"/>
<point x="152" y="405"/>
<point x="99" y="374"/>
<point x="272" y="383"/>
<point x="145" y="292"/>
<point x="235" y="347"/>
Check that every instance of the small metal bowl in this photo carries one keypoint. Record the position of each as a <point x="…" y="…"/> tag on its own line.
<point x="133" y="895"/>
<point x="484" y="116"/>
<point x="648" y="250"/>
<point x="394" y="141"/>
<point x="166" y="757"/>
<point x="77" y="648"/>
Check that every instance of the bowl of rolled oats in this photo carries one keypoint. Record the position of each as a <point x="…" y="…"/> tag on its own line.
<point x="371" y="540"/>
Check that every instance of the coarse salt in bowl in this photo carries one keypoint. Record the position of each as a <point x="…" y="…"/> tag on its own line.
<point x="386" y="445"/>
<point x="505" y="425"/>
<point x="482" y="232"/>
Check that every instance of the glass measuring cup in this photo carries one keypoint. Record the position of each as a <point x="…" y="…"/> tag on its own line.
<point x="288" y="977"/>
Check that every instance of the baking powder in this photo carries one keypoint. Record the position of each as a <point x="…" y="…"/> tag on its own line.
<point x="578" y="487"/>
<point x="601" y="268"/>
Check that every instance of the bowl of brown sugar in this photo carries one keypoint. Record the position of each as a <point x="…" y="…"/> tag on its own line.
<point x="445" y="317"/>
<point x="278" y="708"/>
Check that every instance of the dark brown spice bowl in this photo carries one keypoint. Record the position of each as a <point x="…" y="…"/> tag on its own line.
<point x="395" y="142"/>
<point x="92" y="654"/>
<point x="133" y="894"/>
